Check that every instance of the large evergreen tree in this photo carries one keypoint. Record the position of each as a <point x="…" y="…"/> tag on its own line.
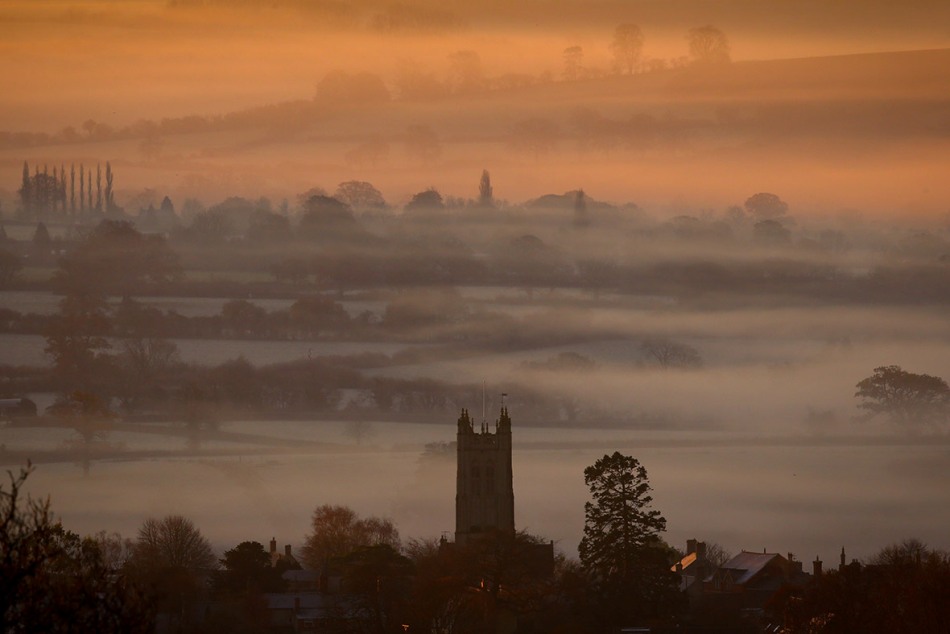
<point x="621" y="549"/>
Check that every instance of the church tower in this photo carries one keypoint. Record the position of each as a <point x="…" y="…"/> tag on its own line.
<point x="484" y="493"/>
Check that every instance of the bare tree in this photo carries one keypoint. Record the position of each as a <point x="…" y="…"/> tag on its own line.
<point x="173" y="542"/>
<point x="627" y="48"/>
<point x="669" y="354"/>
<point x="51" y="580"/>
<point x="465" y="72"/>
<point x="338" y="530"/>
<point x="708" y="45"/>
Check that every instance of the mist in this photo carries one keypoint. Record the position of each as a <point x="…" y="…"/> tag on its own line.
<point x="318" y="231"/>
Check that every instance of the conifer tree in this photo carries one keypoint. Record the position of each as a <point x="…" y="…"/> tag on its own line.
<point x="44" y="191"/>
<point x="89" y="189"/>
<point x="485" y="193"/>
<point x="109" y="202"/>
<point x="62" y="187"/>
<point x="26" y="190"/>
<point x="82" y="189"/>
<point x="98" y="187"/>
<point x="72" y="189"/>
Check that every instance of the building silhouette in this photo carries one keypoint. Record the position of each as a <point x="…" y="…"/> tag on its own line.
<point x="484" y="496"/>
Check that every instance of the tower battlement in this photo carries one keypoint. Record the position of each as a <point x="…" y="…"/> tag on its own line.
<point x="484" y="497"/>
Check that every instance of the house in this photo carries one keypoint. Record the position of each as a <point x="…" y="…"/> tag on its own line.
<point x="750" y="580"/>
<point x="311" y="612"/>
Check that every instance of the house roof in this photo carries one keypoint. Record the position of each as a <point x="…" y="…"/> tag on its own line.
<point x="747" y="565"/>
<point x="685" y="562"/>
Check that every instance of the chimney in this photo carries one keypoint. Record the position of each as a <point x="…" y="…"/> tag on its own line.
<point x="690" y="546"/>
<point x="841" y="565"/>
<point x="701" y="551"/>
<point x="816" y="567"/>
<point x="273" y="546"/>
<point x="287" y="551"/>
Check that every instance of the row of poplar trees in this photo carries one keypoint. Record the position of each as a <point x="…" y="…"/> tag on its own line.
<point x="43" y="194"/>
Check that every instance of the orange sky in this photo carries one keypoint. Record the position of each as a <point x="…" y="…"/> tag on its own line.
<point x="118" y="62"/>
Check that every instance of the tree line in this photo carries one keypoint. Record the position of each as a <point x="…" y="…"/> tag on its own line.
<point x="371" y="580"/>
<point x="44" y="195"/>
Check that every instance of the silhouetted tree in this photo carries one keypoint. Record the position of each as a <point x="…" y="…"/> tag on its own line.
<point x="109" y="200"/>
<point x="82" y="189"/>
<point x="670" y="354"/>
<point x="581" y="219"/>
<point x="486" y="196"/>
<point x="906" y="398"/>
<point x="621" y="548"/>
<point x="329" y="220"/>
<point x="708" y="45"/>
<point x="248" y="570"/>
<point x="72" y="189"/>
<point x="627" y="48"/>
<point x="173" y="558"/>
<point x="115" y="257"/>
<point x="573" y="62"/>
<point x="429" y="199"/>
<point x="9" y="267"/>
<point x="465" y="72"/>
<point x="337" y="531"/>
<point x="771" y="233"/>
<point x="379" y="578"/>
<point x="26" y="191"/>
<point x="267" y="226"/>
<point x="41" y="238"/>
<point x="173" y="542"/>
<point x="766" y="206"/>
<point x="360" y="195"/>
<point x="53" y="581"/>
<point x="905" y="588"/>
<point x="62" y="188"/>
<point x="98" y="188"/>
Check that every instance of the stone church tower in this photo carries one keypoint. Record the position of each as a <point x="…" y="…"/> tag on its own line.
<point x="484" y="494"/>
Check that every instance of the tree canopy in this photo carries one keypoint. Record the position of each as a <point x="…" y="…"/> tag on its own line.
<point x="116" y="258"/>
<point x="627" y="47"/>
<point x="904" y="397"/>
<point x="51" y="580"/>
<point x="173" y="542"/>
<point x="337" y="531"/>
<point x="621" y="549"/>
